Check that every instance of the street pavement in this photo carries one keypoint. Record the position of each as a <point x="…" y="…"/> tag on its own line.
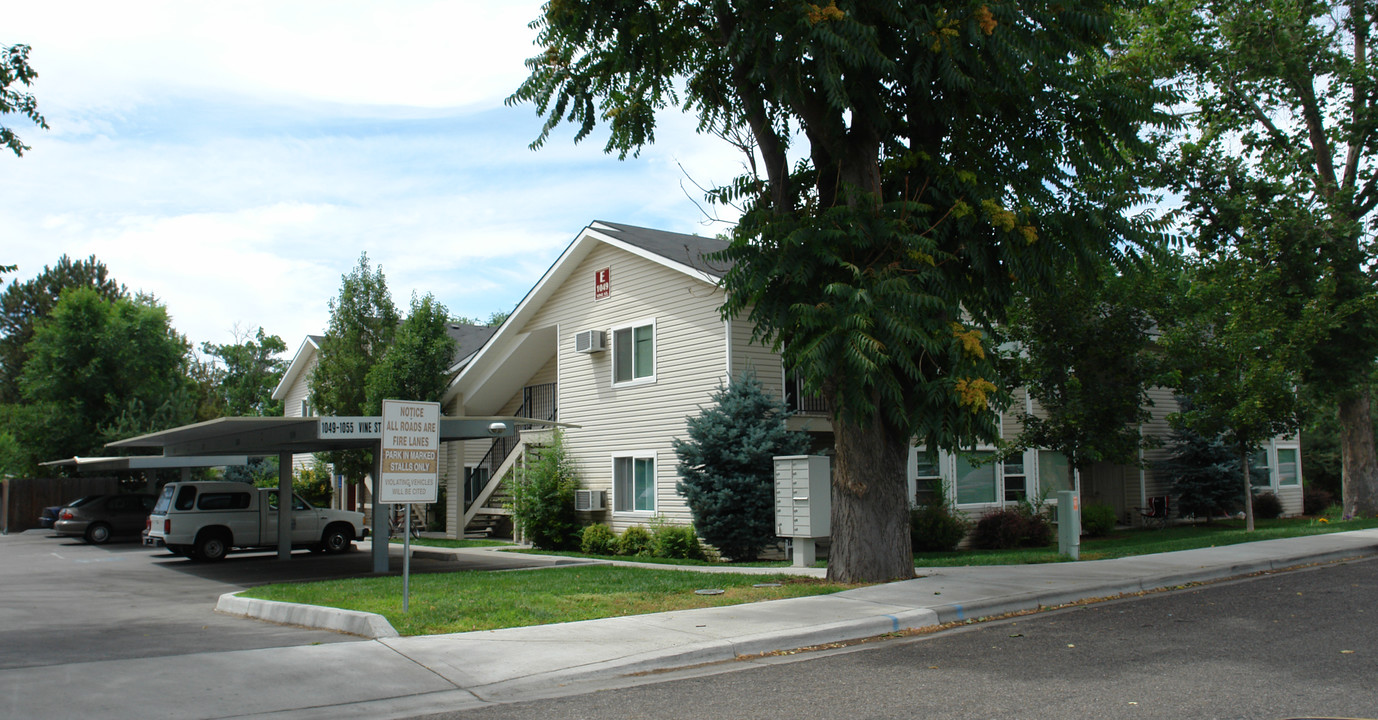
<point x="392" y="676"/>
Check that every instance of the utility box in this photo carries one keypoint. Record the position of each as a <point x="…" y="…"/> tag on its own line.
<point x="1069" y="524"/>
<point x="803" y="502"/>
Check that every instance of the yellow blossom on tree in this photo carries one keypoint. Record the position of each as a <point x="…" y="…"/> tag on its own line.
<point x="831" y="12"/>
<point x="985" y="20"/>
<point x="970" y="340"/>
<point x="972" y="392"/>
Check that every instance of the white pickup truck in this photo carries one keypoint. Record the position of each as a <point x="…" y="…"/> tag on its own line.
<point x="205" y="520"/>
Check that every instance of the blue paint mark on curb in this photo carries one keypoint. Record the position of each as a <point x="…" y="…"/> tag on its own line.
<point x="894" y="623"/>
<point x="960" y="614"/>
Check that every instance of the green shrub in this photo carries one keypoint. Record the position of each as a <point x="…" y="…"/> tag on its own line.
<point x="543" y="502"/>
<point x="937" y="526"/>
<point x="635" y="541"/>
<point x="676" y="542"/>
<point x="1315" y="500"/>
<point x="1098" y="520"/>
<point x="1267" y="506"/>
<point x="313" y="483"/>
<point x="1011" y="528"/>
<point x="598" y="539"/>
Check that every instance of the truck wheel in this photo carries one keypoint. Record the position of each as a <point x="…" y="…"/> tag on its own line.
<point x="211" y="547"/>
<point x="336" y="539"/>
<point x="98" y="534"/>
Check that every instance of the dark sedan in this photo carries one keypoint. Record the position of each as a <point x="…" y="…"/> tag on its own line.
<point x="98" y="519"/>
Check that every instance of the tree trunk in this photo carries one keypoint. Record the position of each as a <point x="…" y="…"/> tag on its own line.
<point x="1359" y="476"/>
<point x="1248" y="491"/>
<point x="870" y="504"/>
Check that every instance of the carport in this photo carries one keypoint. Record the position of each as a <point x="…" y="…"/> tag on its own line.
<point x="285" y="436"/>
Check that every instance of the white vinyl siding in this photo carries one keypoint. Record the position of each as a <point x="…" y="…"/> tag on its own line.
<point x="615" y="419"/>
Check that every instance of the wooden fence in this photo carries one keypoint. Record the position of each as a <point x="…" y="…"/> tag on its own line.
<point x="24" y="498"/>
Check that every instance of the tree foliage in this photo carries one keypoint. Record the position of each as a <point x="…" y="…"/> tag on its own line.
<point x="726" y="467"/>
<point x="947" y="153"/>
<point x="246" y="374"/>
<point x="1283" y="109"/>
<point x="102" y="370"/>
<point x="416" y="365"/>
<point x="1233" y="356"/>
<point x="1204" y="473"/>
<point x="1084" y="355"/>
<point x="363" y="321"/>
<point x="15" y="72"/>
<point x="24" y="303"/>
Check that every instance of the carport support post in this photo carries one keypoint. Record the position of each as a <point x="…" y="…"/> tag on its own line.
<point x="284" y="506"/>
<point x="380" y="521"/>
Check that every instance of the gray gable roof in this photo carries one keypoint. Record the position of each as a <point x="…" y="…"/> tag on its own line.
<point x="468" y="339"/>
<point x="685" y="249"/>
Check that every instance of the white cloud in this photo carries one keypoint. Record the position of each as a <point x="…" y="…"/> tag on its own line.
<point x="235" y="159"/>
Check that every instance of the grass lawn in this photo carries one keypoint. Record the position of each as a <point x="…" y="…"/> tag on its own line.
<point x="1146" y="541"/>
<point x="475" y="600"/>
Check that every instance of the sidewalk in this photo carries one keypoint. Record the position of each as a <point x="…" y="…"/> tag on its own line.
<point x="397" y="676"/>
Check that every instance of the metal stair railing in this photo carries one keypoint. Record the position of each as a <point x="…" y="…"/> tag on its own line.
<point x="538" y="403"/>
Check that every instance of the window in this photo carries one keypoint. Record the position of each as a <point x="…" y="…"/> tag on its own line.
<point x="1016" y="481"/>
<point x="1288" y="474"/>
<point x="633" y="354"/>
<point x="975" y="478"/>
<point x="1054" y="473"/>
<point x="927" y="478"/>
<point x="1260" y="476"/>
<point x="634" y="483"/>
<point x="222" y="501"/>
<point x="186" y="497"/>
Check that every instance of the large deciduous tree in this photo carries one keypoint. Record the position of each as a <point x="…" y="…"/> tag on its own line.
<point x="363" y="321"/>
<point x="416" y="365"/>
<point x="102" y="370"/>
<point x="1232" y="356"/>
<point x="24" y="303"/>
<point x="246" y="372"/>
<point x="1084" y="355"/>
<point x="912" y="164"/>
<point x="1284" y="122"/>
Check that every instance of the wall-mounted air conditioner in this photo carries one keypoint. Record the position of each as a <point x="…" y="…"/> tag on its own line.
<point x="589" y="341"/>
<point x="588" y="500"/>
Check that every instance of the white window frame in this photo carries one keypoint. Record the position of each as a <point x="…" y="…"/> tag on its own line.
<point x="655" y="364"/>
<point x="1277" y="465"/>
<point x="634" y="456"/>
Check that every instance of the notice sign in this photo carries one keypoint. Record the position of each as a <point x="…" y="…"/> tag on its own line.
<point x="602" y="283"/>
<point x="410" y="466"/>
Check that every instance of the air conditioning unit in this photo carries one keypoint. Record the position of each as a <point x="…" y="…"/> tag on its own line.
<point x="588" y="500"/>
<point x="589" y="341"/>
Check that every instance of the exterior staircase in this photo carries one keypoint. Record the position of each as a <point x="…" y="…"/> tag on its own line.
<point x="486" y="500"/>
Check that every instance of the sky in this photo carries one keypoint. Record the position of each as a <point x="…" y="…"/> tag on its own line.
<point x="235" y="159"/>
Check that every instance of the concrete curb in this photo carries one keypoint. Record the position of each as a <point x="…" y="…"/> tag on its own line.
<point x="353" y="622"/>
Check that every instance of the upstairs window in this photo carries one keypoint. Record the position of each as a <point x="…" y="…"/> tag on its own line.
<point x="634" y="354"/>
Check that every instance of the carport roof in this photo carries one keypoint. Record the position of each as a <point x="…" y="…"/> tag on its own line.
<point x="259" y="436"/>
<point x="146" y="462"/>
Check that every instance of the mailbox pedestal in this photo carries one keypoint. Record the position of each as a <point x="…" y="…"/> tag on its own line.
<point x="803" y="502"/>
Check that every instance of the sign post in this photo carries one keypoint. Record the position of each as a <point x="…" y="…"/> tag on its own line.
<point x="410" y="468"/>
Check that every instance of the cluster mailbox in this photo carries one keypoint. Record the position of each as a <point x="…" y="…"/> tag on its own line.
<point x="803" y="502"/>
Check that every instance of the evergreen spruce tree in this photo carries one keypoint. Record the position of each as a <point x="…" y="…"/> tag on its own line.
<point x="1204" y="474"/>
<point x="726" y="468"/>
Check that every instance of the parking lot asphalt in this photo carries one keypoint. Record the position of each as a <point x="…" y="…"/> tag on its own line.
<point x="64" y="601"/>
